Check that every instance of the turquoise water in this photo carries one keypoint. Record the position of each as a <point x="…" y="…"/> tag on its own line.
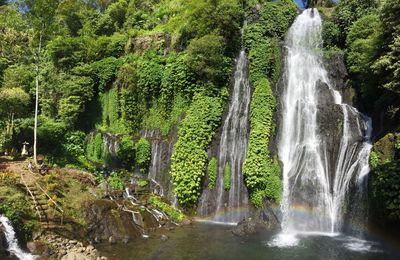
<point x="206" y="241"/>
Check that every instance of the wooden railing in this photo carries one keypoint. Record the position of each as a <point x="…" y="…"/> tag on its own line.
<point x="56" y="205"/>
<point x="32" y="196"/>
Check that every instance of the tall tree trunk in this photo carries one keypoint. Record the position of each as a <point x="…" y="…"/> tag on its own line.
<point x="37" y="63"/>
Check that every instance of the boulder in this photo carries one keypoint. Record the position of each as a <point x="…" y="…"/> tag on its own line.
<point x="107" y="223"/>
<point x="260" y="220"/>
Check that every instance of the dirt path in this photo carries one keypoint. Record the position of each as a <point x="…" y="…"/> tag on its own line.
<point x="19" y="167"/>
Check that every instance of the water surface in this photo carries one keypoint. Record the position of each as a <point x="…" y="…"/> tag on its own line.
<point x="207" y="241"/>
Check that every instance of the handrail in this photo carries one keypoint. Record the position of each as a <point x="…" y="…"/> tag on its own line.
<point x="48" y="196"/>
<point x="33" y="197"/>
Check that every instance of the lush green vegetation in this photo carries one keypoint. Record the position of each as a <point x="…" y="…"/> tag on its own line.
<point x="385" y="182"/>
<point x="14" y="206"/>
<point x="368" y="34"/>
<point x="173" y="213"/>
<point x="190" y="157"/>
<point x="227" y="176"/>
<point x="262" y="172"/>
<point x="212" y="172"/>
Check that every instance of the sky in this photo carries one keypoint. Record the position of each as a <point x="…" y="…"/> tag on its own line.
<point x="300" y="3"/>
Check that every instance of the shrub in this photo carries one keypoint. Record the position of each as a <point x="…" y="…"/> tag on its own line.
<point x="262" y="173"/>
<point x="212" y="171"/>
<point x="126" y="152"/>
<point x="188" y="161"/>
<point x="174" y="214"/>
<point x="227" y="176"/>
<point x="116" y="182"/>
<point x="143" y="154"/>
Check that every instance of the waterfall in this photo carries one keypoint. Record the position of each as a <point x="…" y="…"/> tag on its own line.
<point x="230" y="206"/>
<point x="13" y="246"/>
<point x="324" y="144"/>
<point x="161" y="151"/>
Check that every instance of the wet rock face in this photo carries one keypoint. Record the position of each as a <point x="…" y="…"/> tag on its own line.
<point x="106" y="221"/>
<point x="260" y="220"/>
<point x="337" y="71"/>
<point x="337" y="74"/>
<point x="3" y="244"/>
<point x="156" y="41"/>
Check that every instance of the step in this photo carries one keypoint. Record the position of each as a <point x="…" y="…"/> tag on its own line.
<point x="44" y="207"/>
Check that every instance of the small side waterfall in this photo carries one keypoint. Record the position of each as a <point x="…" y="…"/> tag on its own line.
<point x="231" y="205"/>
<point x="161" y="151"/>
<point x="13" y="246"/>
<point x="324" y="144"/>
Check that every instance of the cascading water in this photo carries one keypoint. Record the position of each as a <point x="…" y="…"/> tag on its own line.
<point x="13" y="246"/>
<point x="161" y="151"/>
<point x="230" y="205"/>
<point x="317" y="172"/>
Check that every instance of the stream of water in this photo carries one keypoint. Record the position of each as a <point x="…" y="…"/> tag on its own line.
<point x="231" y="205"/>
<point x="12" y="241"/>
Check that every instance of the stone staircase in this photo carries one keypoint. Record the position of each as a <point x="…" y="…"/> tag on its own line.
<point x="49" y="212"/>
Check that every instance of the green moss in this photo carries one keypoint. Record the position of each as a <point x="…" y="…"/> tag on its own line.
<point x="212" y="171"/>
<point x="174" y="214"/>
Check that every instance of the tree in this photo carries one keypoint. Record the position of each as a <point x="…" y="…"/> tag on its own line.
<point x="13" y="101"/>
<point x="41" y="15"/>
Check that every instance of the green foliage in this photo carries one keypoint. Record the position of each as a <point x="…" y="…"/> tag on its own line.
<point x="66" y="53"/>
<point x="74" y="143"/>
<point x="94" y="149"/>
<point x="262" y="173"/>
<point x="177" y="78"/>
<point x="50" y="135"/>
<point x="385" y="189"/>
<point x="158" y="118"/>
<point x="347" y="12"/>
<point x="206" y="58"/>
<point x="227" y="176"/>
<point x="15" y="206"/>
<point x="116" y="182"/>
<point x="143" y="154"/>
<point x="173" y="213"/>
<point x="265" y="60"/>
<point x="189" y="158"/>
<point x="149" y="73"/>
<point x="277" y="16"/>
<point x="126" y="152"/>
<point x="212" y="171"/>
<point x="330" y="34"/>
<point x="143" y="183"/>
<point x="13" y="101"/>
<point x="104" y="72"/>
<point x="19" y="76"/>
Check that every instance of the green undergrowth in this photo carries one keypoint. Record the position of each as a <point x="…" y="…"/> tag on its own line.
<point x="262" y="37"/>
<point x="173" y="213"/>
<point x="189" y="158"/>
<point x="212" y="171"/>
<point x="16" y="206"/>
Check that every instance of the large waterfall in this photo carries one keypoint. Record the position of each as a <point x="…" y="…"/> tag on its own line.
<point x="324" y="144"/>
<point x="13" y="246"/>
<point x="231" y="205"/>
